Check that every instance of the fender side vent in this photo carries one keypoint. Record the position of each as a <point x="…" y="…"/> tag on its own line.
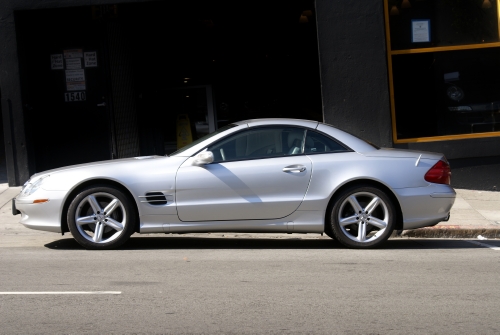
<point x="155" y="198"/>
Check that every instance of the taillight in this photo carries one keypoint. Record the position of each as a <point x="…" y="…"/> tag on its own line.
<point x="440" y="173"/>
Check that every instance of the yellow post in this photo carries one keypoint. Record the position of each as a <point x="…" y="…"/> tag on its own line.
<point x="184" y="136"/>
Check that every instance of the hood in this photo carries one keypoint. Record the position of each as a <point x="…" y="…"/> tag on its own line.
<point x="86" y="165"/>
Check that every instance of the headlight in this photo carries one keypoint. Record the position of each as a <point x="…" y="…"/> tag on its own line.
<point x="455" y="93"/>
<point x="31" y="186"/>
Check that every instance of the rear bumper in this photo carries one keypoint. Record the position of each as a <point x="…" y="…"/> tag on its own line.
<point x="425" y="206"/>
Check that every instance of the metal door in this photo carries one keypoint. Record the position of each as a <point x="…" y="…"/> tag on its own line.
<point x="243" y="190"/>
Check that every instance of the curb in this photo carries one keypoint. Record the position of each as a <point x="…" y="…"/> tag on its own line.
<point x="452" y="232"/>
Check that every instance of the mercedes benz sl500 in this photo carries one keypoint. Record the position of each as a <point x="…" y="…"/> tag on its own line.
<point x="263" y="175"/>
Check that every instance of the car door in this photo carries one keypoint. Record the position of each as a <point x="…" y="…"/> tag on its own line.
<point x="258" y="173"/>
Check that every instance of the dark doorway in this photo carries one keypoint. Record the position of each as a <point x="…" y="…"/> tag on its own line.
<point x="64" y="87"/>
<point x="212" y="62"/>
<point x="260" y="58"/>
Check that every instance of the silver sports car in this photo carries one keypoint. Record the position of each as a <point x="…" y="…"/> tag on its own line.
<point x="264" y="175"/>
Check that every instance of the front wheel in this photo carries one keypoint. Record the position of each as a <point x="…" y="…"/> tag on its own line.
<point x="362" y="217"/>
<point x="101" y="217"/>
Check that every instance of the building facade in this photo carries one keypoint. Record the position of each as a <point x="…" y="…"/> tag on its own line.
<point x="92" y="80"/>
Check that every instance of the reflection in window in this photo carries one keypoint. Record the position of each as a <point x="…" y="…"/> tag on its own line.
<point x="318" y="143"/>
<point x="447" y="93"/>
<point x="259" y="143"/>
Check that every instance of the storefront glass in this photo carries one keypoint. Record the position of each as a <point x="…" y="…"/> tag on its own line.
<point x="444" y="63"/>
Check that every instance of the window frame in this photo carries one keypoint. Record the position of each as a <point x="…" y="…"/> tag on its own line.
<point x="305" y="129"/>
<point x="391" y="53"/>
<point x="346" y="148"/>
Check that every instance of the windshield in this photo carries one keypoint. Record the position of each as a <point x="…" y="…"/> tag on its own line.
<point x="201" y="139"/>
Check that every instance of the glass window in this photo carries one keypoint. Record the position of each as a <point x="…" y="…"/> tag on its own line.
<point x="444" y="57"/>
<point x="427" y="23"/>
<point x="206" y="137"/>
<point x="318" y="143"/>
<point x="259" y="143"/>
<point x="457" y="92"/>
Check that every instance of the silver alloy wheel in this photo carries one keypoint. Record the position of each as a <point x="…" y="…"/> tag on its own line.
<point x="363" y="217"/>
<point x="100" y="217"/>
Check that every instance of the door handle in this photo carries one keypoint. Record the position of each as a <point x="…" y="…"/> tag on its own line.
<point x="294" y="168"/>
<point x="101" y="104"/>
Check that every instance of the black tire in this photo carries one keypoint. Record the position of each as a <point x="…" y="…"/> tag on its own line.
<point x="328" y="225"/>
<point x="86" y="215"/>
<point x="365" y="227"/>
<point x="330" y="234"/>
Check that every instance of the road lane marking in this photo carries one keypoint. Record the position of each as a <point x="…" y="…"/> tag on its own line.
<point x="484" y="245"/>
<point x="64" y="292"/>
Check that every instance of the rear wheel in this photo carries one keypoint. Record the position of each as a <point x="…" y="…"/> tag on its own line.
<point x="362" y="217"/>
<point x="101" y="217"/>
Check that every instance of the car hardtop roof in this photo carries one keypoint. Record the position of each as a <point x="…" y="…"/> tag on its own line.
<point x="279" y="121"/>
<point x="353" y="142"/>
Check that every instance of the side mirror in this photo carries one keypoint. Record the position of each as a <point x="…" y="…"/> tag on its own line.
<point x="205" y="157"/>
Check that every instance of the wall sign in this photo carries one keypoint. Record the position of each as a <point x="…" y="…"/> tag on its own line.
<point x="75" y="96"/>
<point x="73" y="53"/>
<point x="90" y="59"/>
<point x="420" y="31"/>
<point x="75" y="80"/>
<point x="56" y="62"/>
<point x="73" y="63"/>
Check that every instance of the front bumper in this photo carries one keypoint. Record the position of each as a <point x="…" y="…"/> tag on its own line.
<point x="44" y="216"/>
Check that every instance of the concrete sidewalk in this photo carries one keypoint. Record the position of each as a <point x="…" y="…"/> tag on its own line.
<point x="475" y="213"/>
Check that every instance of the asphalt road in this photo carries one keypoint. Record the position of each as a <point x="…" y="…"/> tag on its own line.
<point x="219" y="285"/>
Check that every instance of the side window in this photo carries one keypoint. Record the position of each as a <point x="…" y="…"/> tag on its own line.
<point x="262" y="142"/>
<point x="317" y="143"/>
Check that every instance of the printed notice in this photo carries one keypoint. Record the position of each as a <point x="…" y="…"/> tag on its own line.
<point x="73" y="53"/>
<point x="420" y="31"/>
<point x="56" y="62"/>
<point x="73" y="63"/>
<point x="75" y="80"/>
<point x="75" y="75"/>
<point x="90" y="59"/>
<point x="76" y="86"/>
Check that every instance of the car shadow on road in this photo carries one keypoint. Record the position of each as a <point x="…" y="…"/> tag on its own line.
<point x="145" y="243"/>
<point x="196" y="243"/>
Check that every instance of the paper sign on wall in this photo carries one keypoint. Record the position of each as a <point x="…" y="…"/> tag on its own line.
<point x="73" y="63"/>
<point x="73" y="53"/>
<point x="420" y="31"/>
<point x="90" y="58"/>
<point x="75" y="80"/>
<point x="56" y="62"/>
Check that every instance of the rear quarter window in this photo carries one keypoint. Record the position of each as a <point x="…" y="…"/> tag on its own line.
<point x="319" y="143"/>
